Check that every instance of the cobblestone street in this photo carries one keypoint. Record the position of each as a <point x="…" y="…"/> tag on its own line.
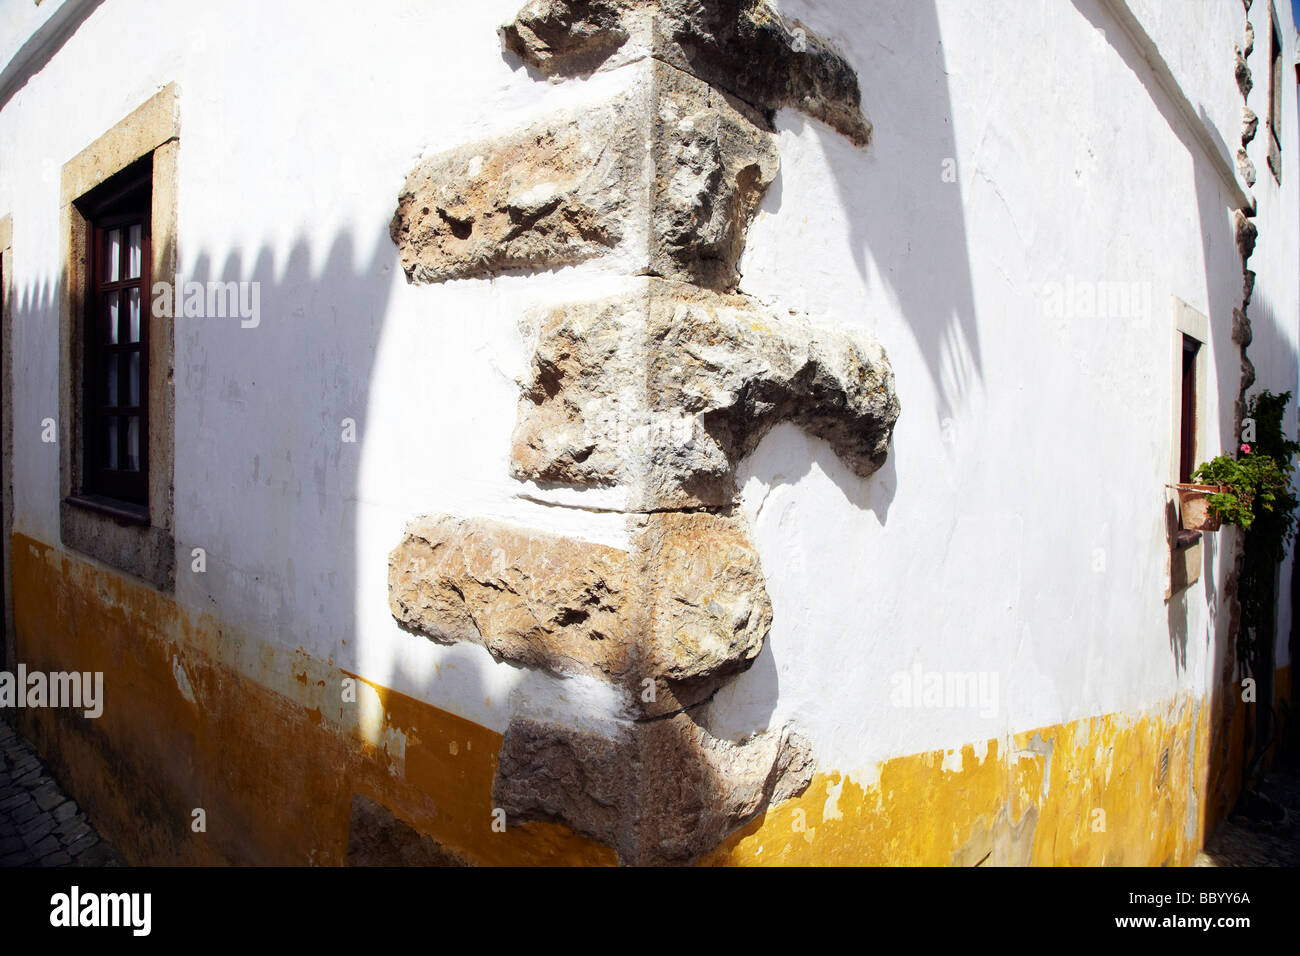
<point x="39" y="826"/>
<point x="1246" y="841"/>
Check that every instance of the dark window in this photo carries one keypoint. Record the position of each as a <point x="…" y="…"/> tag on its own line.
<point x="1275" y="86"/>
<point x="1187" y="426"/>
<point x="1275" y="99"/>
<point x="115" y="404"/>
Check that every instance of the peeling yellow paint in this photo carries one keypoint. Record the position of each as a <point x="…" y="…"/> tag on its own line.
<point x="272" y="758"/>
<point x="1033" y="799"/>
<point x="259" y="737"/>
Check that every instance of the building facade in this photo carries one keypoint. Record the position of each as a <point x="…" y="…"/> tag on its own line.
<point x="667" y="432"/>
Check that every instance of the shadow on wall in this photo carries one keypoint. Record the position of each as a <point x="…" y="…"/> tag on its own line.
<point x="1222" y="266"/>
<point x="926" y="263"/>
<point x="291" y="574"/>
<point x="293" y="381"/>
<point x="312" y="371"/>
<point x="902" y="196"/>
<point x="905" y="215"/>
<point x="268" y="485"/>
<point x="42" y="45"/>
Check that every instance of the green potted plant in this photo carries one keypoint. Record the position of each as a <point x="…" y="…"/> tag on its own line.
<point x="1232" y="490"/>
<point x="1238" y="489"/>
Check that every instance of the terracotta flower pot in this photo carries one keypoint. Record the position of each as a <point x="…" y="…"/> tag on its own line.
<point x="1194" y="506"/>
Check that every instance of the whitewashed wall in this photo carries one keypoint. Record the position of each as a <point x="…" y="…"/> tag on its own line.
<point x="1275" y="305"/>
<point x="1029" y="443"/>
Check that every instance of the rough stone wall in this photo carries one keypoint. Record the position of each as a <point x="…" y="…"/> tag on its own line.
<point x="1224" y="731"/>
<point x="741" y="46"/>
<point x="673" y="170"/>
<point x="660" y="392"/>
<point x="685" y="609"/>
<point x="664" y="392"/>
<point x="1246" y="230"/>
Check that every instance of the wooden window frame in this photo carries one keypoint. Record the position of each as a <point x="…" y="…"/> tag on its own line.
<point x="1188" y="418"/>
<point x="120" y="487"/>
<point x="1275" y="99"/>
<point x="1191" y="408"/>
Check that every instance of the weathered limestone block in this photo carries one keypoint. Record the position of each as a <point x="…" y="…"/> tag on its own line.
<point x="535" y="599"/>
<point x="743" y="46"/>
<point x="1241" y="331"/>
<point x="552" y="195"/>
<point x="1247" y="233"/>
<point x="713" y="161"/>
<point x="1249" y="125"/>
<point x="1245" y="168"/>
<point x="685" y="607"/>
<point x="670" y="173"/>
<point x="664" y="391"/>
<point x="1242" y="72"/>
<point x="660" y="792"/>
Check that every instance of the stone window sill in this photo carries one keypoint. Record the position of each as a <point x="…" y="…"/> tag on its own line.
<point x="121" y="510"/>
<point x="1185" y="561"/>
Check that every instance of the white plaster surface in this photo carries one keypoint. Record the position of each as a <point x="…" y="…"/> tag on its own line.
<point x="1030" y="443"/>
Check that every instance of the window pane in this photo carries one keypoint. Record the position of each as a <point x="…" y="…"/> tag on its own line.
<point x="113" y="265"/>
<point x="133" y="443"/>
<point x="110" y="380"/>
<point x="111" y="444"/>
<point x="133" y="314"/>
<point x="133" y="378"/>
<point x="134" y="250"/>
<point x="111" y="300"/>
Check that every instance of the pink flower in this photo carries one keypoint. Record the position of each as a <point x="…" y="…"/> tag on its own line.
<point x="1246" y="449"/>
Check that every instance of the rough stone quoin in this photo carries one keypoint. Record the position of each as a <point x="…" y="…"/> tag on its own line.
<point x="664" y="392"/>
<point x="660" y="792"/>
<point x="670" y="174"/>
<point x="1245" y="168"/>
<point x="658" y="392"/>
<point x="1242" y="70"/>
<point x="1241" y="331"/>
<point x="1247" y="233"/>
<point x="742" y="46"/>
<point x="555" y="194"/>
<point x="686" y="607"/>
<point x="1249" y="125"/>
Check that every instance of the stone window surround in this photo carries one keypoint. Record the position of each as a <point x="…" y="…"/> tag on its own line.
<point x="1276" y="79"/>
<point x="1185" y="561"/>
<point x="144" y="548"/>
